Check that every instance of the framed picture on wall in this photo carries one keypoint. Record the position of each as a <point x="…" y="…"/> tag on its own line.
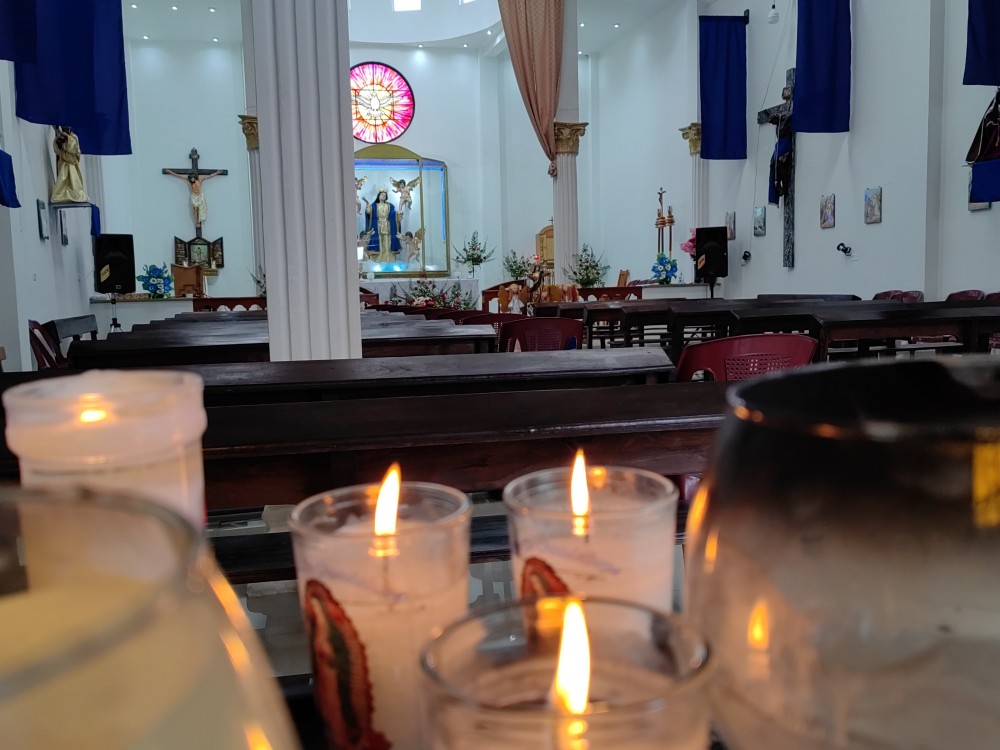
<point x="43" y="220"/>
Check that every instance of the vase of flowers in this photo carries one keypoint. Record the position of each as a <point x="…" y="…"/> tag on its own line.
<point x="587" y="269"/>
<point x="425" y="293"/>
<point x="517" y="266"/>
<point x="664" y="269"/>
<point x="473" y="254"/>
<point x="689" y="247"/>
<point x="156" y="281"/>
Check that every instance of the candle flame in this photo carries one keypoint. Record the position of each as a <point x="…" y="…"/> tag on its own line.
<point x="387" y="505"/>
<point x="572" y="684"/>
<point x="580" y="496"/>
<point x="758" y="629"/>
<point x="93" y="415"/>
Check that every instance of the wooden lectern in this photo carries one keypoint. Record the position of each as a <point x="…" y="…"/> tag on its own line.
<point x="188" y="280"/>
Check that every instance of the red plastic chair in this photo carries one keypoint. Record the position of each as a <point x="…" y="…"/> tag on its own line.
<point x="891" y="294"/>
<point x="993" y="298"/>
<point x="541" y="335"/>
<point x="967" y="295"/>
<point x="744" y="357"/>
<point x="914" y="295"/>
<point x="47" y="353"/>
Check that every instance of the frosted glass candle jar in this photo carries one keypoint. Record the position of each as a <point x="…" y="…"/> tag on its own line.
<point x="491" y="674"/>
<point x="136" y="431"/>
<point x="627" y="552"/>
<point x="368" y="615"/>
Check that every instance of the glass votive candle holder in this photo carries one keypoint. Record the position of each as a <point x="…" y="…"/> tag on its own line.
<point x="370" y="603"/>
<point x="625" y="550"/>
<point x="491" y="678"/>
<point x="137" y="431"/>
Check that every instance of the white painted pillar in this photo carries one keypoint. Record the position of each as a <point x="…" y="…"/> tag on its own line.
<point x="565" y="188"/>
<point x="248" y="123"/>
<point x="699" y="176"/>
<point x="302" y="64"/>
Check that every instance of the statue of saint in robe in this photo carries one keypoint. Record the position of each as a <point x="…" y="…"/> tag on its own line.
<point x="68" y="187"/>
<point x="384" y="225"/>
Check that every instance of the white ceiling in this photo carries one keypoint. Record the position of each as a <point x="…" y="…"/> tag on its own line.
<point x="192" y="21"/>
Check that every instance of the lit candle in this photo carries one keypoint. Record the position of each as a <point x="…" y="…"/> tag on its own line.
<point x="599" y="531"/>
<point x="380" y="570"/>
<point x="137" y="432"/>
<point x="626" y="678"/>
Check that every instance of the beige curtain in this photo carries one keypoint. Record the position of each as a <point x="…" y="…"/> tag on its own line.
<point x="534" y="31"/>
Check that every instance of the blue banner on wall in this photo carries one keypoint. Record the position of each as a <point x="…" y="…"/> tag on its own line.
<point x="985" y="182"/>
<point x="8" y="189"/>
<point x="18" y="30"/>
<point x="79" y="77"/>
<point x="723" y="42"/>
<point x="982" y="54"/>
<point x="823" y="67"/>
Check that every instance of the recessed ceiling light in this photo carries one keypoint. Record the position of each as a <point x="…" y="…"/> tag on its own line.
<point x="215" y="38"/>
<point x="173" y="7"/>
<point x="134" y="5"/>
<point x="617" y="25"/>
<point x="465" y="45"/>
<point x="145" y="36"/>
<point x="489" y="32"/>
<point x="421" y="46"/>
<point x="579" y="52"/>
<point x="581" y="25"/>
<point x="211" y="10"/>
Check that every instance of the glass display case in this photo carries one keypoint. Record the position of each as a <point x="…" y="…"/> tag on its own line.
<point x="402" y="219"/>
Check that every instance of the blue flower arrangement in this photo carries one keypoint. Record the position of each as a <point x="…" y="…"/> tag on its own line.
<point x="664" y="269"/>
<point x="156" y="281"/>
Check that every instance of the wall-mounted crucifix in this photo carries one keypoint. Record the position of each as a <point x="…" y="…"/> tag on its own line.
<point x="195" y="179"/>
<point x="782" y="178"/>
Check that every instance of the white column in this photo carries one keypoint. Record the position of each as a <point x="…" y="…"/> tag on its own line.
<point x="699" y="176"/>
<point x="302" y="67"/>
<point x="250" y="131"/>
<point x="565" y="197"/>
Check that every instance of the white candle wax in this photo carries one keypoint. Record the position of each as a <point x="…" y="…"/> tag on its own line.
<point x="369" y="617"/>
<point x="138" y="432"/>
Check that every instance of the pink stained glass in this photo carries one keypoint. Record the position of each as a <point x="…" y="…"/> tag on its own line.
<point x="381" y="102"/>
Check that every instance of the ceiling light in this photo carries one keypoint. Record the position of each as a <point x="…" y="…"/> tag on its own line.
<point x="772" y="16"/>
<point x="465" y="45"/>
<point x="489" y="32"/>
<point x="421" y="46"/>
<point x="579" y="52"/>
<point x="581" y="25"/>
<point x="145" y="36"/>
<point x="211" y="10"/>
<point x="134" y="5"/>
<point x="173" y="7"/>
<point x="617" y="25"/>
<point x="215" y="38"/>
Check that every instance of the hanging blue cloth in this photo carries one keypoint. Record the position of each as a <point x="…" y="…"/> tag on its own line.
<point x="18" y="30"/>
<point x="823" y="67"/>
<point x="723" y="87"/>
<point x="95" y="220"/>
<point x="985" y="182"/>
<point x="8" y="190"/>
<point x="982" y="55"/>
<point x="79" y="79"/>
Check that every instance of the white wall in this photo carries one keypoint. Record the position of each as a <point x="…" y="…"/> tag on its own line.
<point x="42" y="279"/>
<point x="970" y="251"/>
<point x="888" y="145"/>
<point x="184" y="95"/>
<point x="645" y="86"/>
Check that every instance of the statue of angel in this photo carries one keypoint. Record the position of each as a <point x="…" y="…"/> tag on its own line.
<point x="402" y="188"/>
<point x="411" y="242"/>
<point x="358" y="184"/>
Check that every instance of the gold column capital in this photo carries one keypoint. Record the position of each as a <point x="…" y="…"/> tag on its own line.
<point x="692" y="134"/>
<point x="249" y="125"/>
<point x="568" y="135"/>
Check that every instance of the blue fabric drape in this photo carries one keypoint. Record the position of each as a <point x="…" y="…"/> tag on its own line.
<point x="79" y="79"/>
<point x="823" y="67"/>
<point x="982" y="55"/>
<point x="95" y="220"/>
<point x="18" y="30"/>
<point x="985" y="182"/>
<point x="723" y="41"/>
<point x="8" y="190"/>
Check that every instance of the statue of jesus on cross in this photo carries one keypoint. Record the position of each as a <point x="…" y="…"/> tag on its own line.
<point x="196" y="179"/>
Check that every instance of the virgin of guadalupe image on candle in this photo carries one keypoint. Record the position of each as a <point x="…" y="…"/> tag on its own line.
<point x="383" y="222"/>
<point x="68" y="187"/>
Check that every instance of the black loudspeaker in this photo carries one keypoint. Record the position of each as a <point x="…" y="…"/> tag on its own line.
<point x="114" y="264"/>
<point x="711" y="254"/>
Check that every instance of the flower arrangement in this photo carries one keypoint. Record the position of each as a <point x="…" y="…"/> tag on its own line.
<point x="260" y="281"/>
<point x="689" y="246"/>
<point x="664" y="269"/>
<point x="586" y="269"/>
<point x="517" y="266"/>
<point x="156" y="281"/>
<point x="425" y="293"/>
<point x="473" y="253"/>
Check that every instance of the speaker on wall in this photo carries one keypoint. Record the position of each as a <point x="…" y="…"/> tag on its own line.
<point x="114" y="264"/>
<point x="711" y="254"/>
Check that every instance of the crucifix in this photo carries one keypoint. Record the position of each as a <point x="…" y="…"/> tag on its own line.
<point x="195" y="178"/>
<point x="782" y="180"/>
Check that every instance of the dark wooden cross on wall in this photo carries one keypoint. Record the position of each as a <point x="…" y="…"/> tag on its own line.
<point x="200" y="174"/>
<point x="781" y="117"/>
